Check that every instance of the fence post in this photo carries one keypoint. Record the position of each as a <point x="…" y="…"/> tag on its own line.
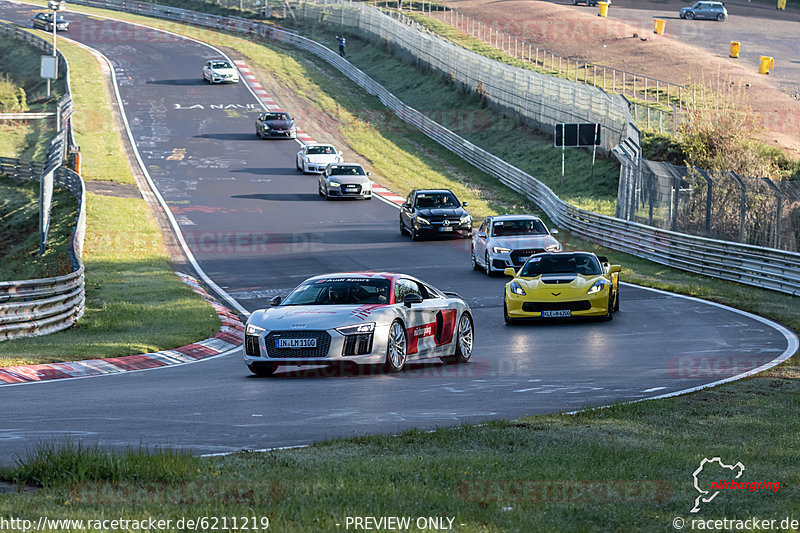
<point x="776" y="239"/>
<point x="709" y="185"/>
<point x="742" y="203"/>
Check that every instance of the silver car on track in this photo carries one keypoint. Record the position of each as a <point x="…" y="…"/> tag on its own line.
<point x="315" y="157"/>
<point x="507" y="241"/>
<point x="359" y="317"/>
<point x="345" y="180"/>
<point x="220" y="71"/>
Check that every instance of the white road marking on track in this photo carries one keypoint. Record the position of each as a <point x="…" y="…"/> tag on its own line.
<point x="654" y="389"/>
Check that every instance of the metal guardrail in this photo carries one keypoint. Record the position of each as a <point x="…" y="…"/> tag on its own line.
<point x="40" y="306"/>
<point x="761" y="267"/>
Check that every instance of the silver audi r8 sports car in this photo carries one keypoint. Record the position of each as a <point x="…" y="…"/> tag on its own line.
<point x="361" y="317"/>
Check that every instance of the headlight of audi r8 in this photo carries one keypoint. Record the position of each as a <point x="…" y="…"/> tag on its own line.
<point x="553" y="248"/>
<point x="421" y="220"/>
<point x="596" y="287"/>
<point x="357" y="329"/>
<point x="500" y="250"/>
<point x="516" y="288"/>
<point x="334" y="184"/>
<point x="254" y="330"/>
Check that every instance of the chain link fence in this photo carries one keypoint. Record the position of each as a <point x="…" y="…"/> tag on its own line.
<point x="717" y="205"/>
<point x="539" y="99"/>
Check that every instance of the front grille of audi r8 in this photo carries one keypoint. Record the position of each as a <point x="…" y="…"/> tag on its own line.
<point x="520" y="256"/>
<point x="357" y="344"/>
<point x="321" y="350"/>
<point x="251" y="346"/>
<point x="538" y="307"/>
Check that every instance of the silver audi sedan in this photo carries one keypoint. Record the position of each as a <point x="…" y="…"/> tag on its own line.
<point x="360" y="317"/>
<point x="507" y="241"/>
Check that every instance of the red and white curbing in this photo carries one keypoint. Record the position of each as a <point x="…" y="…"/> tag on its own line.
<point x="230" y="336"/>
<point x="265" y="98"/>
<point x="251" y="80"/>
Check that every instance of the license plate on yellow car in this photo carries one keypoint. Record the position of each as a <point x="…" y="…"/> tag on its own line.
<point x="556" y="314"/>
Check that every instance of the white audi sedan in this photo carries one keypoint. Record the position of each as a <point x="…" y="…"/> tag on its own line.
<point x="359" y="317"/>
<point x="315" y="157"/>
<point x="507" y="241"/>
<point x="220" y="71"/>
<point x="345" y="180"/>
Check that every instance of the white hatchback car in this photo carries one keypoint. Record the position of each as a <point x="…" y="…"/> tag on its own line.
<point x="220" y="71"/>
<point x="315" y="157"/>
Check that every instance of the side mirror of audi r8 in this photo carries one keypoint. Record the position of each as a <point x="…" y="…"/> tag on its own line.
<point x="276" y="301"/>
<point x="510" y="272"/>
<point x="481" y="234"/>
<point x="553" y="231"/>
<point x="614" y="269"/>
<point x="412" y="298"/>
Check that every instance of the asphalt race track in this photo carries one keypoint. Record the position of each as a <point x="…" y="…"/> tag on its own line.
<point x="258" y="228"/>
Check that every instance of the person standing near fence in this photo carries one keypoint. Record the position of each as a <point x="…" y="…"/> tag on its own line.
<point x="341" y="40"/>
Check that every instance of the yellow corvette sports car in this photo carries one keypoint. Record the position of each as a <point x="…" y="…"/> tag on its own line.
<point x="562" y="285"/>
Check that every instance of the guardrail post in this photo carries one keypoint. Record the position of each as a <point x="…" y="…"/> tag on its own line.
<point x="742" y="203"/>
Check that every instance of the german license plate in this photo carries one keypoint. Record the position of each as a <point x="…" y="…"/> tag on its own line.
<point x="351" y="187"/>
<point x="446" y="228"/>
<point x="296" y="343"/>
<point x="556" y="314"/>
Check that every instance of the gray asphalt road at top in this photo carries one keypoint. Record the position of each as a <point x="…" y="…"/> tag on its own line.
<point x="761" y="29"/>
<point x="258" y="228"/>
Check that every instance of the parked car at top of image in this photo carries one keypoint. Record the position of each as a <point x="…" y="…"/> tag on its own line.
<point x="429" y="212"/>
<point x="275" y="125"/>
<point x="44" y="21"/>
<point x="359" y="317"/>
<point x="705" y="10"/>
<point x="345" y="180"/>
<point x="562" y="285"/>
<point x="315" y="157"/>
<point x="589" y="3"/>
<point x="508" y="240"/>
<point x="220" y="71"/>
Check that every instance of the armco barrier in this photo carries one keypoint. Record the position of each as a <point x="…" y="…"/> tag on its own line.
<point x="41" y="306"/>
<point x="761" y="267"/>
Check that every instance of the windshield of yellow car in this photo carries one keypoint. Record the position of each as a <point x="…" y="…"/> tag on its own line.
<point x="340" y="291"/>
<point x="562" y="263"/>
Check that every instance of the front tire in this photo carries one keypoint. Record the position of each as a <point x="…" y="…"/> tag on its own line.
<point x="616" y="301"/>
<point x="475" y="265"/>
<point x="263" y="369"/>
<point x="464" y="342"/>
<point x="720" y="17"/>
<point x="395" y="348"/>
<point x="488" y="265"/>
<point x="414" y="234"/>
<point x="610" y="314"/>
<point x="690" y="15"/>
<point x="402" y="228"/>
<point x="507" y="319"/>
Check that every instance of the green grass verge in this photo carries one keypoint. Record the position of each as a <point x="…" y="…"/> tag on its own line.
<point x="527" y="475"/>
<point x="19" y="231"/>
<point x="130" y="284"/>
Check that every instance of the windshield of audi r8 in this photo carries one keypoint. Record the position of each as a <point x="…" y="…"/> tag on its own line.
<point x="340" y="291"/>
<point x="437" y="200"/>
<point x="506" y="228"/>
<point x="344" y="170"/>
<point x="562" y="263"/>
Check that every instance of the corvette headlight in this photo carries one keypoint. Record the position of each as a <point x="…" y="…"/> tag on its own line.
<point x="516" y="288"/>
<point x="598" y="286"/>
<point x="357" y="329"/>
<point x="421" y="220"/>
<point x="334" y="183"/>
<point x="500" y="250"/>
<point x="466" y="219"/>
<point x="253" y="330"/>
<point x="553" y="248"/>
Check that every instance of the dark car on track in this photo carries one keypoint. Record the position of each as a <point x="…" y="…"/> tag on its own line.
<point x="431" y="212"/>
<point x="44" y="21"/>
<point x="275" y="125"/>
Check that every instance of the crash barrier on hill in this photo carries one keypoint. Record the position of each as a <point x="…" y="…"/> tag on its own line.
<point x="751" y="265"/>
<point x="41" y="306"/>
